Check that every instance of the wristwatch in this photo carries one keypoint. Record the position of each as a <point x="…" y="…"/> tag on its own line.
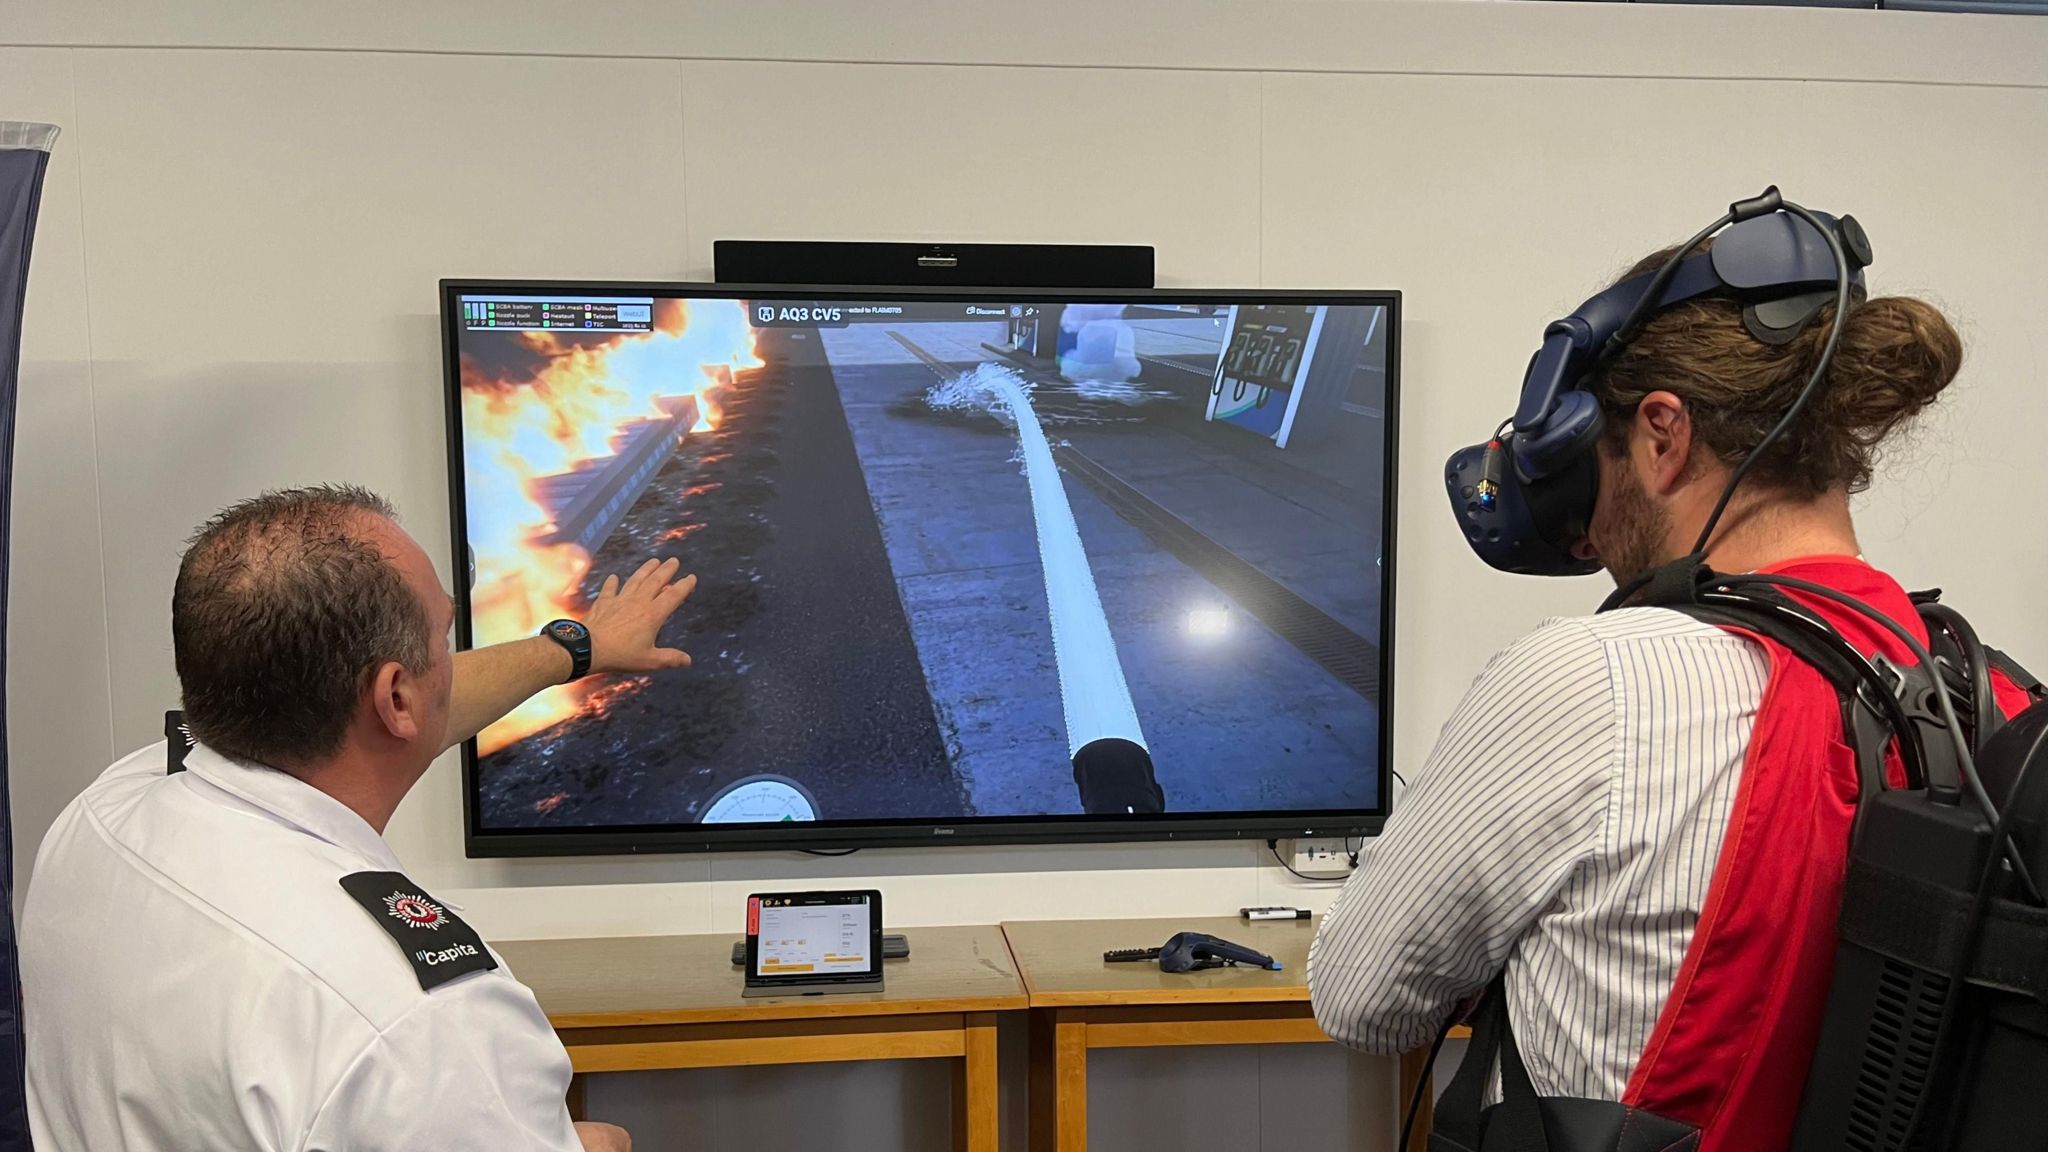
<point x="574" y="637"/>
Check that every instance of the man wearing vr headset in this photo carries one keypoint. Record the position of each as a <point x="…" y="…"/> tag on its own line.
<point x="1636" y="821"/>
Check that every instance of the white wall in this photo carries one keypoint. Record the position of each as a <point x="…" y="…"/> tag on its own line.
<point x="234" y="288"/>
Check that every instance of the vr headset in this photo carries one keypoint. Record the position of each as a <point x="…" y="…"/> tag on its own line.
<point x="1525" y="496"/>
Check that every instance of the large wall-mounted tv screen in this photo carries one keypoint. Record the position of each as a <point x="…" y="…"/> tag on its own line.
<point x="974" y="566"/>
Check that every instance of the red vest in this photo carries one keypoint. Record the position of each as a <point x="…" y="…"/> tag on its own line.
<point x="1729" y="1054"/>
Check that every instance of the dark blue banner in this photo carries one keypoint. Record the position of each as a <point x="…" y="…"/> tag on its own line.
<point x="24" y="154"/>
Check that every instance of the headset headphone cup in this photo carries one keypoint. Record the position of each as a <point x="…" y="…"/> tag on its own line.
<point x="1524" y="497"/>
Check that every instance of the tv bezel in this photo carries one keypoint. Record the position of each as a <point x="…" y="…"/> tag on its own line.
<point x="639" y="839"/>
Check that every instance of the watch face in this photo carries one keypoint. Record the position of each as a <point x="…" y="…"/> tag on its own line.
<point x="569" y="630"/>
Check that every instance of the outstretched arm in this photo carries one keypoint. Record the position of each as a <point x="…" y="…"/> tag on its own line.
<point x="624" y="621"/>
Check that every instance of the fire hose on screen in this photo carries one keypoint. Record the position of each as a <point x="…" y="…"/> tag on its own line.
<point x="1112" y="765"/>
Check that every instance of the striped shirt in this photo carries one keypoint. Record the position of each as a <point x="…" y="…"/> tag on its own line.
<point x="1566" y="826"/>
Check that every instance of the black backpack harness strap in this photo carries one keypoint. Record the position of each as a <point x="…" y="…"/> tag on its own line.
<point x="1909" y="918"/>
<point x="1878" y="697"/>
<point x="1461" y="1117"/>
<point x="1526" y="1122"/>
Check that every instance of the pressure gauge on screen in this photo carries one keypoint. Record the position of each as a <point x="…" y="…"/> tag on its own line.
<point x="765" y="798"/>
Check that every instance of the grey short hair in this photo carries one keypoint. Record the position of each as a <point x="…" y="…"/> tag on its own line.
<point x="283" y="608"/>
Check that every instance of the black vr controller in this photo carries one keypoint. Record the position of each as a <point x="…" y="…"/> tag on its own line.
<point x="1194" y="951"/>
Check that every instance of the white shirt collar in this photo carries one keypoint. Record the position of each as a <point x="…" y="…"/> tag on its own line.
<point x="294" y="802"/>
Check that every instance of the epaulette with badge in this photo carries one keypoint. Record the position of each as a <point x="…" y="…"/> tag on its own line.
<point x="435" y="941"/>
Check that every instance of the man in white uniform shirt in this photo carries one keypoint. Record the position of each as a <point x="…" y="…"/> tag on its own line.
<point x="229" y="957"/>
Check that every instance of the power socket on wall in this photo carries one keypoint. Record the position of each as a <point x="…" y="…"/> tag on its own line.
<point x="1318" y="858"/>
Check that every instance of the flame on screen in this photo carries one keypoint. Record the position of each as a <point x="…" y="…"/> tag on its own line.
<point x="566" y="411"/>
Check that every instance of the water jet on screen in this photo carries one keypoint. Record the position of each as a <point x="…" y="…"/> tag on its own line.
<point x="1103" y="734"/>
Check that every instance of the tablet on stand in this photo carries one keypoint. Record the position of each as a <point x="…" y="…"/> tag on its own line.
<point x="812" y="943"/>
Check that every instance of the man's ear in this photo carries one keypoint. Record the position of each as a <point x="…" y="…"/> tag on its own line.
<point x="395" y="694"/>
<point x="1664" y="441"/>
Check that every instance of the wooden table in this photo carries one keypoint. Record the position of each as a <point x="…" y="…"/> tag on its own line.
<point x="643" y="1002"/>
<point x="1079" y="1003"/>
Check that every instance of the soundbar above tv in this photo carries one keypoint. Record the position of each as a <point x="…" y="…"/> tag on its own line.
<point x="974" y="566"/>
<point x="867" y="263"/>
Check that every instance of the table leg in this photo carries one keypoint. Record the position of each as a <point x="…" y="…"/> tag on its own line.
<point x="1415" y="1070"/>
<point x="975" y="1088"/>
<point x="1059" y="1081"/>
<point x="577" y="1108"/>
